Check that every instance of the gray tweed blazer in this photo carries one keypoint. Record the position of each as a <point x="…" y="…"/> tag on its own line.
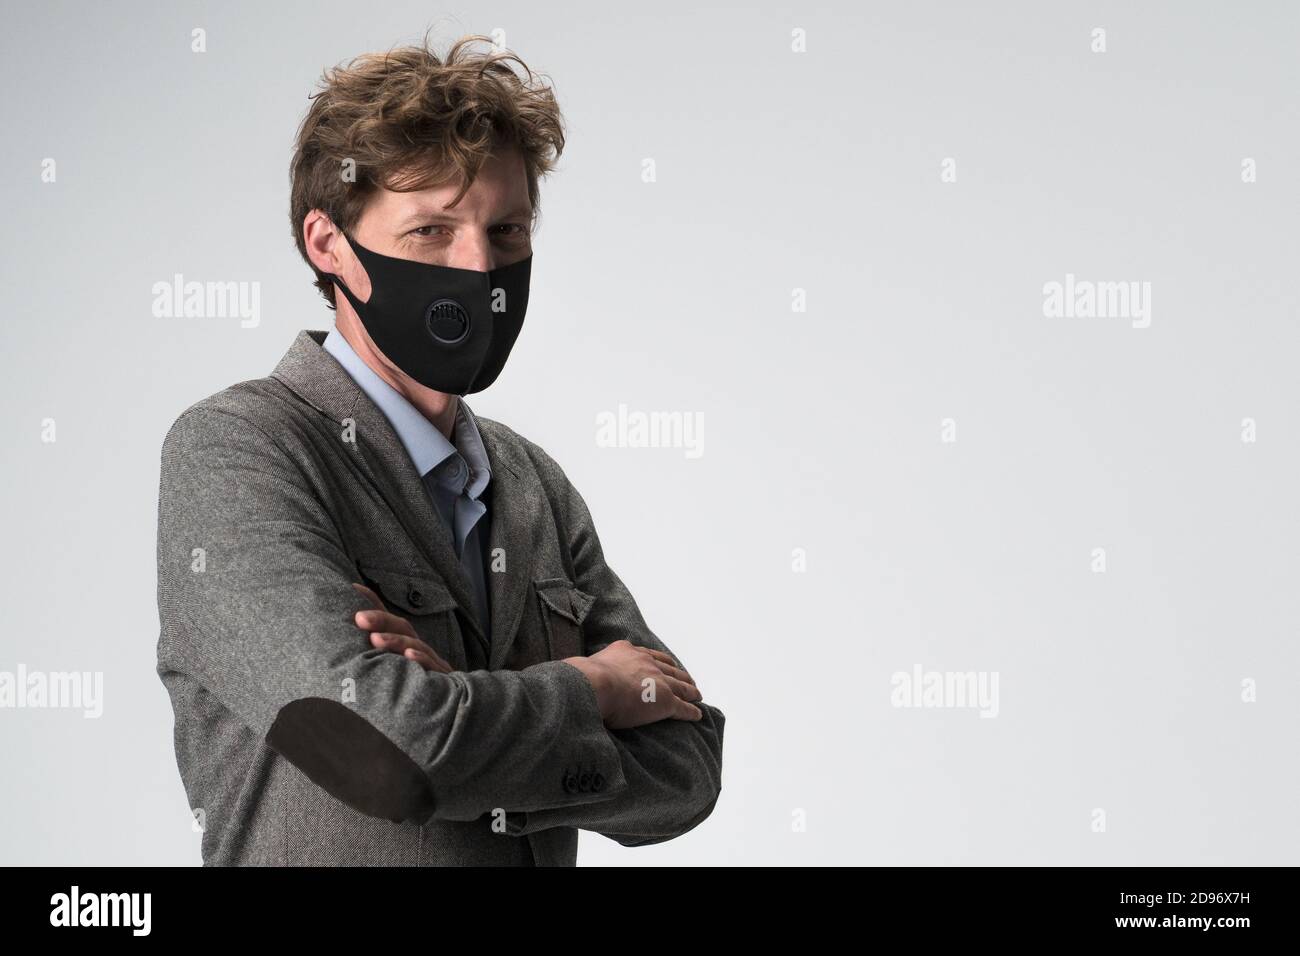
<point x="298" y="743"/>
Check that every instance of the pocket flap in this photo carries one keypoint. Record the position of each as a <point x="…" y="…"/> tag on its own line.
<point x="562" y="597"/>
<point x="411" y="591"/>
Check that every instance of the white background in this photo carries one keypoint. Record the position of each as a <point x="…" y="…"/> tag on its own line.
<point x="775" y="171"/>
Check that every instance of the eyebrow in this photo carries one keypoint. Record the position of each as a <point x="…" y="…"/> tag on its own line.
<point x="434" y="214"/>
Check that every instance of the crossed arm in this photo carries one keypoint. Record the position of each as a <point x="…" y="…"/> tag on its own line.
<point x="378" y="730"/>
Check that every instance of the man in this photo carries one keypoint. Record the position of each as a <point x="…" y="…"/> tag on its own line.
<point x="388" y="631"/>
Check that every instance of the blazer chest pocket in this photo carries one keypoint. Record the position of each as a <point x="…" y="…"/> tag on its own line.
<point x="564" y="608"/>
<point x="424" y="601"/>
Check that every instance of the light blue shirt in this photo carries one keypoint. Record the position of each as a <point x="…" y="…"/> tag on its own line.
<point x="454" y="475"/>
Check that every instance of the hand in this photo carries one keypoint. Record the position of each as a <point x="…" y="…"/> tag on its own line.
<point x="619" y="672"/>
<point x="392" y="633"/>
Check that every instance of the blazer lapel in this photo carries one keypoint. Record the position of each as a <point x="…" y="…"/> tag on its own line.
<point x="317" y="378"/>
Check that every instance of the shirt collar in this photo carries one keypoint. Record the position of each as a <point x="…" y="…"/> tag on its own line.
<point x="427" y="446"/>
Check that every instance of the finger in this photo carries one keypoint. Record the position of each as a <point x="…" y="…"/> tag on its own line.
<point x="428" y="657"/>
<point x="385" y="622"/>
<point x="683" y="690"/>
<point x="671" y="669"/>
<point x="428" y="662"/>
<point x="397" y="643"/>
<point x="402" y="644"/>
<point x="665" y="658"/>
<point x="683" y="710"/>
<point x="370" y="595"/>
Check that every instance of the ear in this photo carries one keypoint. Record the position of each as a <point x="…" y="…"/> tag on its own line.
<point x="328" y="250"/>
<point x="322" y="239"/>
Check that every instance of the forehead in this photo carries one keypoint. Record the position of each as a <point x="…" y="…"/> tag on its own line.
<point x="499" y="189"/>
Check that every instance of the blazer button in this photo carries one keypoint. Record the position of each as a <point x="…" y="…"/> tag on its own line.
<point x="415" y="596"/>
<point x="570" y="782"/>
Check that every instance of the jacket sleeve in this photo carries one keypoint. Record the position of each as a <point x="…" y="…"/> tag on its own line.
<point x="673" y="768"/>
<point x="256" y="604"/>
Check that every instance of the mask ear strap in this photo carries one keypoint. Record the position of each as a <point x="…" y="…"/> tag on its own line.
<point x="338" y="279"/>
<point x="357" y="305"/>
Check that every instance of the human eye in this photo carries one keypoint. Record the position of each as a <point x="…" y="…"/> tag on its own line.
<point x="424" y="232"/>
<point x="512" y="230"/>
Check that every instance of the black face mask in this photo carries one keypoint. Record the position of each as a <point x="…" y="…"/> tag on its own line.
<point x="449" y="329"/>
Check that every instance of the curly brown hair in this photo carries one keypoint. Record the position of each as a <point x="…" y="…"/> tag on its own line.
<point x="410" y="120"/>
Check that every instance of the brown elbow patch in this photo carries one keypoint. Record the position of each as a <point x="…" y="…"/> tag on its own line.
<point x="343" y="753"/>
